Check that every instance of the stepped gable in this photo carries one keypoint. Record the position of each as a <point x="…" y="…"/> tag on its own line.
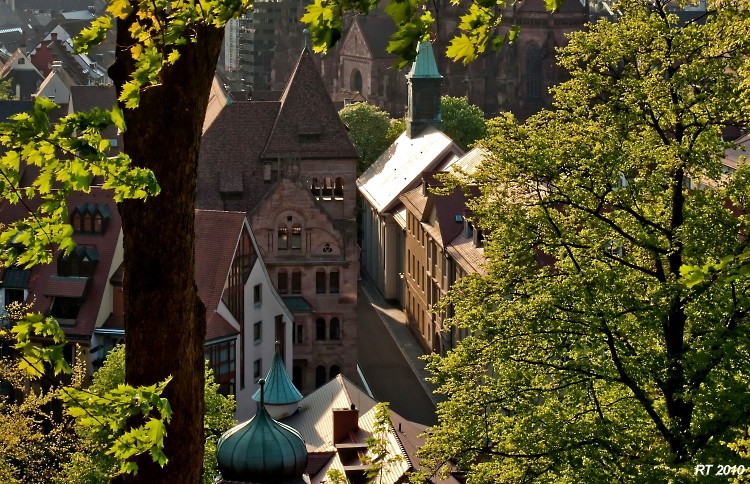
<point x="308" y="125"/>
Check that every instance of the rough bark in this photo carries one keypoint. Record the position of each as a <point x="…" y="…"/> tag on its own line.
<point x="164" y="318"/>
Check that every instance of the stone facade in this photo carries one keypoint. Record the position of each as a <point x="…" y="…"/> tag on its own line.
<point x="515" y="78"/>
<point x="290" y="166"/>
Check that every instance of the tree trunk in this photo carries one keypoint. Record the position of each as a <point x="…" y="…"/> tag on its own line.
<point x="164" y="318"/>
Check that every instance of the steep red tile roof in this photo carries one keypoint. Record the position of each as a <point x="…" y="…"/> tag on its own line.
<point x="66" y="286"/>
<point x="43" y="283"/>
<point x="85" y="98"/>
<point x="308" y="125"/>
<point x="230" y="149"/>
<point x="446" y="208"/>
<point x="216" y="238"/>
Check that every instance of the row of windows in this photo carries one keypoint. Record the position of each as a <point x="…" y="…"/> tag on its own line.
<point x="334" y="329"/>
<point x="322" y="376"/>
<point x="323" y="281"/>
<point x="90" y="218"/>
<point x="327" y="188"/>
<point x="283" y="240"/>
<point x="282" y="282"/>
<point x="81" y="262"/>
<point x="221" y="358"/>
<point x="332" y="279"/>
<point x="323" y="332"/>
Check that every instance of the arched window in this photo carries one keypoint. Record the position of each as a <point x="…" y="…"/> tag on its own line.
<point x="320" y="329"/>
<point x="327" y="188"/>
<point x="296" y="236"/>
<point x="315" y="188"/>
<point x="333" y="372"/>
<point x="338" y="189"/>
<point x="98" y="223"/>
<point x="283" y="237"/>
<point x="76" y="221"/>
<point x="533" y="73"/>
<point x="335" y="329"/>
<point x="355" y="81"/>
<point x="320" y="376"/>
<point x="87" y="223"/>
<point x="297" y="376"/>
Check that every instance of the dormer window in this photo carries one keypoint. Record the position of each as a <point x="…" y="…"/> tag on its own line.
<point x="468" y="229"/>
<point x="478" y="238"/>
<point x="81" y="262"/>
<point x="90" y="218"/>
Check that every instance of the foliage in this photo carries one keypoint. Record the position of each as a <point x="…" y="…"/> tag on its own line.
<point x="35" y="442"/>
<point x="478" y="27"/>
<point x="368" y="130"/>
<point x="6" y="91"/>
<point x="372" y="131"/>
<point x="335" y="476"/>
<point x="463" y="122"/>
<point x="95" y="461"/>
<point x="67" y="156"/>
<point x="395" y="129"/>
<point x="591" y="357"/>
<point x="378" y="456"/>
<point x="159" y="29"/>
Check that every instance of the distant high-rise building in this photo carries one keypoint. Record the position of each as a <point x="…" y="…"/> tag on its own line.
<point x="261" y="47"/>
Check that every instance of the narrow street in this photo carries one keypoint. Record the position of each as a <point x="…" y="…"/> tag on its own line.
<point x="388" y="373"/>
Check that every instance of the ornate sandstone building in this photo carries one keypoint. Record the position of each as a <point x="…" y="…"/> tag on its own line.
<point x="288" y="163"/>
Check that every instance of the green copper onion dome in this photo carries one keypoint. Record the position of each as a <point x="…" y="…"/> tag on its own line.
<point x="261" y="450"/>
<point x="279" y="389"/>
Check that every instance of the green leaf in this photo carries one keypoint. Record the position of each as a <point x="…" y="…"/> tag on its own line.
<point x="553" y="5"/>
<point x="462" y="48"/>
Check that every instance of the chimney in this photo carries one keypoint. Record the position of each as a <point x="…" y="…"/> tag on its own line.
<point x="345" y="420"/>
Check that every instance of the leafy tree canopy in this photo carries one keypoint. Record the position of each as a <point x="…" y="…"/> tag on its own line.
<point x="591" y="358"/>
<point x="162" y="46"/>
<point x="92" y="463"/>
<point x="369" y="130"/>
<point x="464" y="123"/>
<point x="478" y="27"/>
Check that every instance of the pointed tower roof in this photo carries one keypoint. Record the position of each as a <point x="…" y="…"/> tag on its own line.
<point x="424" y="85"/>
<point x="261" y="450"/>
<point x="424" y="65"/>
<point x="308" y="125"/>
<point x="279" y="389"/>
